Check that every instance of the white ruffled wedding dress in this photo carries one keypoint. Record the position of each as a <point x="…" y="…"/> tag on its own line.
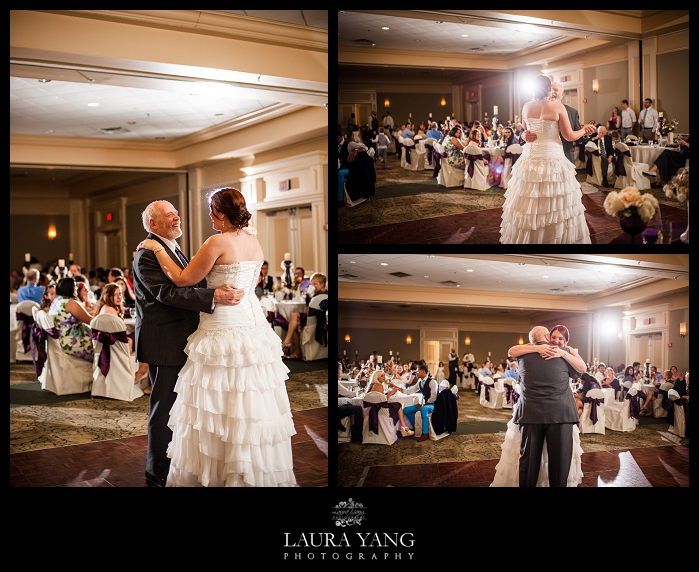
<point x="507" y="470"/>
<point x="543" y="200"/>
<point x="231" y="422"/>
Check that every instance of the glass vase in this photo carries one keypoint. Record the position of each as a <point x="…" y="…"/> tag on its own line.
<point x="632" y="225"/>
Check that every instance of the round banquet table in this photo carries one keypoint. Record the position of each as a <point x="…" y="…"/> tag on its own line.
<point x="402" y="398"/>
<point x="647" y="154"/>
<point x="286" y="307"/>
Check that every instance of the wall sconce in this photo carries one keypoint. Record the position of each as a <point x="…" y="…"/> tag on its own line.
<point x="408" y="340"/>
<point x="683" y="329"/>
<point x="52" y="231"/>
<point x="521" y="340"/>
<point x="443" y="103"/>
<point x="467" y="341"/>
<point x="347" y="338"/>
<point x="595" y="85"/>
<point x="387" y="103"/>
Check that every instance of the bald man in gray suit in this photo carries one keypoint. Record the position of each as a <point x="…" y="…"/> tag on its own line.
<point x="545" y="412"/>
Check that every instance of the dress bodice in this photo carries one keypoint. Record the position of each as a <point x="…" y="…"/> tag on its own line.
<point x="248" y="312"/>
<point x="548" y="137"/>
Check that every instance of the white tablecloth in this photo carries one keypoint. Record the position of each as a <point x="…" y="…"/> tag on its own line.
<point x="130" y="325"/>
<point x="647" y="154"/>
<point x="286" y="307"/>
<point x="404" y="400"/>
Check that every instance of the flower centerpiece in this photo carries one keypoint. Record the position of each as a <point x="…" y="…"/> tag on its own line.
<point x="670" y="126"/>
<point x="678" y="188"/>
<point x="633" y="209"/>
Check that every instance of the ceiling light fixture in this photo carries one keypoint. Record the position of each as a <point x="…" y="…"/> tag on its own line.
<point x="44" y="80"/>
<point x="93" y="104"/>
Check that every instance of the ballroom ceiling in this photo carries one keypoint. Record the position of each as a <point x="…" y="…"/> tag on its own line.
<point x="151" y="107"/>
<point x="562" y="276"/>
<point x="522" y="35"/>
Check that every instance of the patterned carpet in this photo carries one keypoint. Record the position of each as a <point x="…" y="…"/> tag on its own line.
<point x="42" y="420"/>
<point x="403" y="196"/>
<point x="470" y="445"/>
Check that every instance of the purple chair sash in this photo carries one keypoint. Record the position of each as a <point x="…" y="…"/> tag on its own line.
<point x="374" y="413"/>
<point x="281" y="322"/>
<point x="487" y="389"/>
<point x="39" y="336"/>
<point x="438" y="163"/>
<point x="471" y="158"/>
<point x="430" y="152"/>
<point x="270" y="317"/>
<point x="588" y="163"/>
<point x="27" y="322"/>
<point x="671" y="410"/>
<point x="666" y="400"/>
<point x="509" y="394"/>
<point x="594" y="402"/>
<point x="107" y="339"/>
<point x="635" y="406"/>
<point x="407" y="154"/>
<point x="512" y="157"/>
<point x="321" y="334"/>
<point x="619" y="169"/>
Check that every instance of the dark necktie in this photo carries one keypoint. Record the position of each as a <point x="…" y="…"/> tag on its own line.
<point x="179" y="254"/>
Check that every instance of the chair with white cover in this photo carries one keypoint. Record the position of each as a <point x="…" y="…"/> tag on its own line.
<point x="388" y="429"/>
<point x="448" y="176"/>
<point x="592" y="419"/>
<point x="628" y="173"/>
<point x="617" y="415"/>
<point x="660" y="404"/>
<point x="114" y="366"/>
<point x="410" y="158"/>
<point x="346" y="435"/>
<point x="512" y="153"/>
<point x="490" y="396"/>
<point x="314" y="336"/>
<point x="508" y="398"/>
<point x="269" y="308"/>
<point x="62" y="374"/>
<point x="476" y="171"/>
<point x="25" y="319"/>
<point x="593" y="164"/>
<point x="348" y="201"/>
<point x="428" y="145"/>
<point x="579" y="155"/>
<point x="676" y="416"/>
<point x="431" y="432"/>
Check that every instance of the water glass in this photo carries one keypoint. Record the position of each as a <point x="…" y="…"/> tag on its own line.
<point x="665" y="233"/>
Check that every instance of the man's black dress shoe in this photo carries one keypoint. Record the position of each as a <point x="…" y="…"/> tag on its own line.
<point x="152" y="479"/>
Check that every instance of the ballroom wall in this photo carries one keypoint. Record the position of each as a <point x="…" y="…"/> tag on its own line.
<point x="29" y="233"/>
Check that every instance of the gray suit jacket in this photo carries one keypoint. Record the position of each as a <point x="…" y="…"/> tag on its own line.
<point x="569" y="146"/>
<point x="546" y="395"/>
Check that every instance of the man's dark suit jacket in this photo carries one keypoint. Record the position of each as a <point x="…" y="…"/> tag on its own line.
<point x="546" y="395"/>
<point x="569" y="146"/>
<point x="166" y="315"/>
<point x="680" y="386"/>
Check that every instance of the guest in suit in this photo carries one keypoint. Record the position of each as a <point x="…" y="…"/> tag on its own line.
<point x="603" y="140"/>
<point x="453" y="366"/>
<point x="349" y="410"/>
<point x="545" y="411"/>
<point x="568" y="146"/>
<point x="166" y="315"/>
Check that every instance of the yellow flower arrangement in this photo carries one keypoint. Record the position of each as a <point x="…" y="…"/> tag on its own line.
<point x="630" y="201"/>
<point x="678" y="188"/>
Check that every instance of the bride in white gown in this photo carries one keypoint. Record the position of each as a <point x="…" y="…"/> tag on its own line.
<point x="231" y="422"/>
<point x="507" y="470"/>
<point x="543" y="201"/>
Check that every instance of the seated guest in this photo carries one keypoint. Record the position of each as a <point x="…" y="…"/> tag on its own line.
<point x="32" y="290"/>
<point x="47" y="297"/>
<point x="72" y="321"/>
<point x="669" y="162"/>
<point x="512" y="370"/>
<point x="647" y="408"/>
<point x="453" y="148"/>
<point x="75" y="270"/>
<point x="129" y="298"/>
<point x="349" y="410"/>
<point x="85" y="294"/>
<point x="434" y="132"/>
<point x="378" y="378"/>
<point x="426" y="385"/>
<point x="610" y="380"/>
<point x="297" y="321"/>
<point x="589" y="383"/>
<point x="508" y="138"/>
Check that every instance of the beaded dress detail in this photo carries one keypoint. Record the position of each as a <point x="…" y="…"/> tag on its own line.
<point x="543" y="200"/>
<point x="231" y="421"/>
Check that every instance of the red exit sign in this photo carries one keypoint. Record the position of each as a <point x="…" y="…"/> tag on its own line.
<point x="285" y="185"/>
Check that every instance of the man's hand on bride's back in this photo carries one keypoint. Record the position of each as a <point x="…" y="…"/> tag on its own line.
<point x="228" y="295"/>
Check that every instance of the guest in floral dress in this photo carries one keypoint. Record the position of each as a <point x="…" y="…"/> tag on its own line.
<point x="454" y="148"/>
<point x="72" y="321"/>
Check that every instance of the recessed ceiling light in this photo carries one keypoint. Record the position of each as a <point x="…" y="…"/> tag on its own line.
<point x="44" y="80"/>
<point x="439" y="22"/>
<point x="384" y="264"/>
<point x="545" y="276"/>
<point x="352" y="262"/>
<point x="464" y="35"/>
<point x="469" y="270"/>
<point x="93" y="104"/>
<point x="385" y="28"/>
<point x="425" y="276"/>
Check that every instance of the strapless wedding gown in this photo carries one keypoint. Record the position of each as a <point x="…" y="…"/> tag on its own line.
<point x="543" y="200"/>
<point x="231" y="422"/>
<point x="507" y="470"/>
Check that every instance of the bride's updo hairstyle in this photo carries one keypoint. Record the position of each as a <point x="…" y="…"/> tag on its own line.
<point x="541" y="87"/>
<point x="231" y="203"/>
